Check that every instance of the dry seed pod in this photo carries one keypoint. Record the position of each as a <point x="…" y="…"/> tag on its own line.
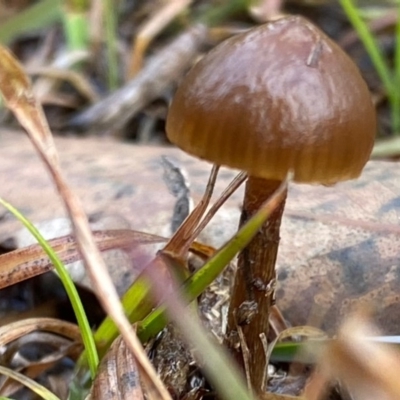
<point x="278" y="97"/>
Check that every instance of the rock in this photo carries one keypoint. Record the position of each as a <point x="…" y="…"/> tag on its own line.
<point x="339" y="245"/>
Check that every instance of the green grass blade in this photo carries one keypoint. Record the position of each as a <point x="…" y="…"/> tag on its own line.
<point x="36" y="17"/>
<point x="370" y="43"/>
<point x="297" y="351"/>
<point x="216" y="14"/>
<point x="202" y="278"/>
<point x="377" y="59"/>
<point x="137" y="303"/>
<point x="75" y="21"/>
<point x="111" y="40"/>
<point x="87" y="336"/>
<point x="77" y="5"/>
<point x="76" y="30"/>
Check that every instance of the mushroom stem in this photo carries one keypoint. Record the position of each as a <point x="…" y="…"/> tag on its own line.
<point x="253" y="291"/>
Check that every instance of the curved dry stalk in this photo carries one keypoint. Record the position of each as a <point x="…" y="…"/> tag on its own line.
<point x="17" y="94"/>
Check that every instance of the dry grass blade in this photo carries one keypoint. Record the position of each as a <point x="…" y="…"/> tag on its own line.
<point x="237" y="181"/>
<point x="81" y="84"/>
<point x="28" y="262"/>
<point x="149" y="30"/>
<point x="16" y="90"/>
<point x="33" y="367"/>
<point x="218" y="367"/>
<point x="118" y="375"/>
<point x="61" y="335"/>
<point x="15" y="330"/>
<point x="29" y="383"/>
<point x="180" y="242"/>
<point x="18" y="97"/>
<point x="369" y="370"/>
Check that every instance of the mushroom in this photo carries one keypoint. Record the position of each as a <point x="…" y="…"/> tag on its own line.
<point x="280" y="97"/>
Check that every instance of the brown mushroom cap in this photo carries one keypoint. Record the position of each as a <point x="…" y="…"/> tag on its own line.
<point x="281" y="96"/>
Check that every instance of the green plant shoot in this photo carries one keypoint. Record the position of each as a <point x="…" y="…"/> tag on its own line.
<point x="87" y="336"/>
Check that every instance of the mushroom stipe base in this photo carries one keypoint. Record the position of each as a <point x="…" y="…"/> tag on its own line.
<point x="253" y="291"/>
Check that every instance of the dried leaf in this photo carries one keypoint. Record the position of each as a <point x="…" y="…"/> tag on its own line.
<point x="118" y="377"/>
<point x="367" y="368"/>
<point x="30" y="261"/>
<point x="13" y="331"/>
